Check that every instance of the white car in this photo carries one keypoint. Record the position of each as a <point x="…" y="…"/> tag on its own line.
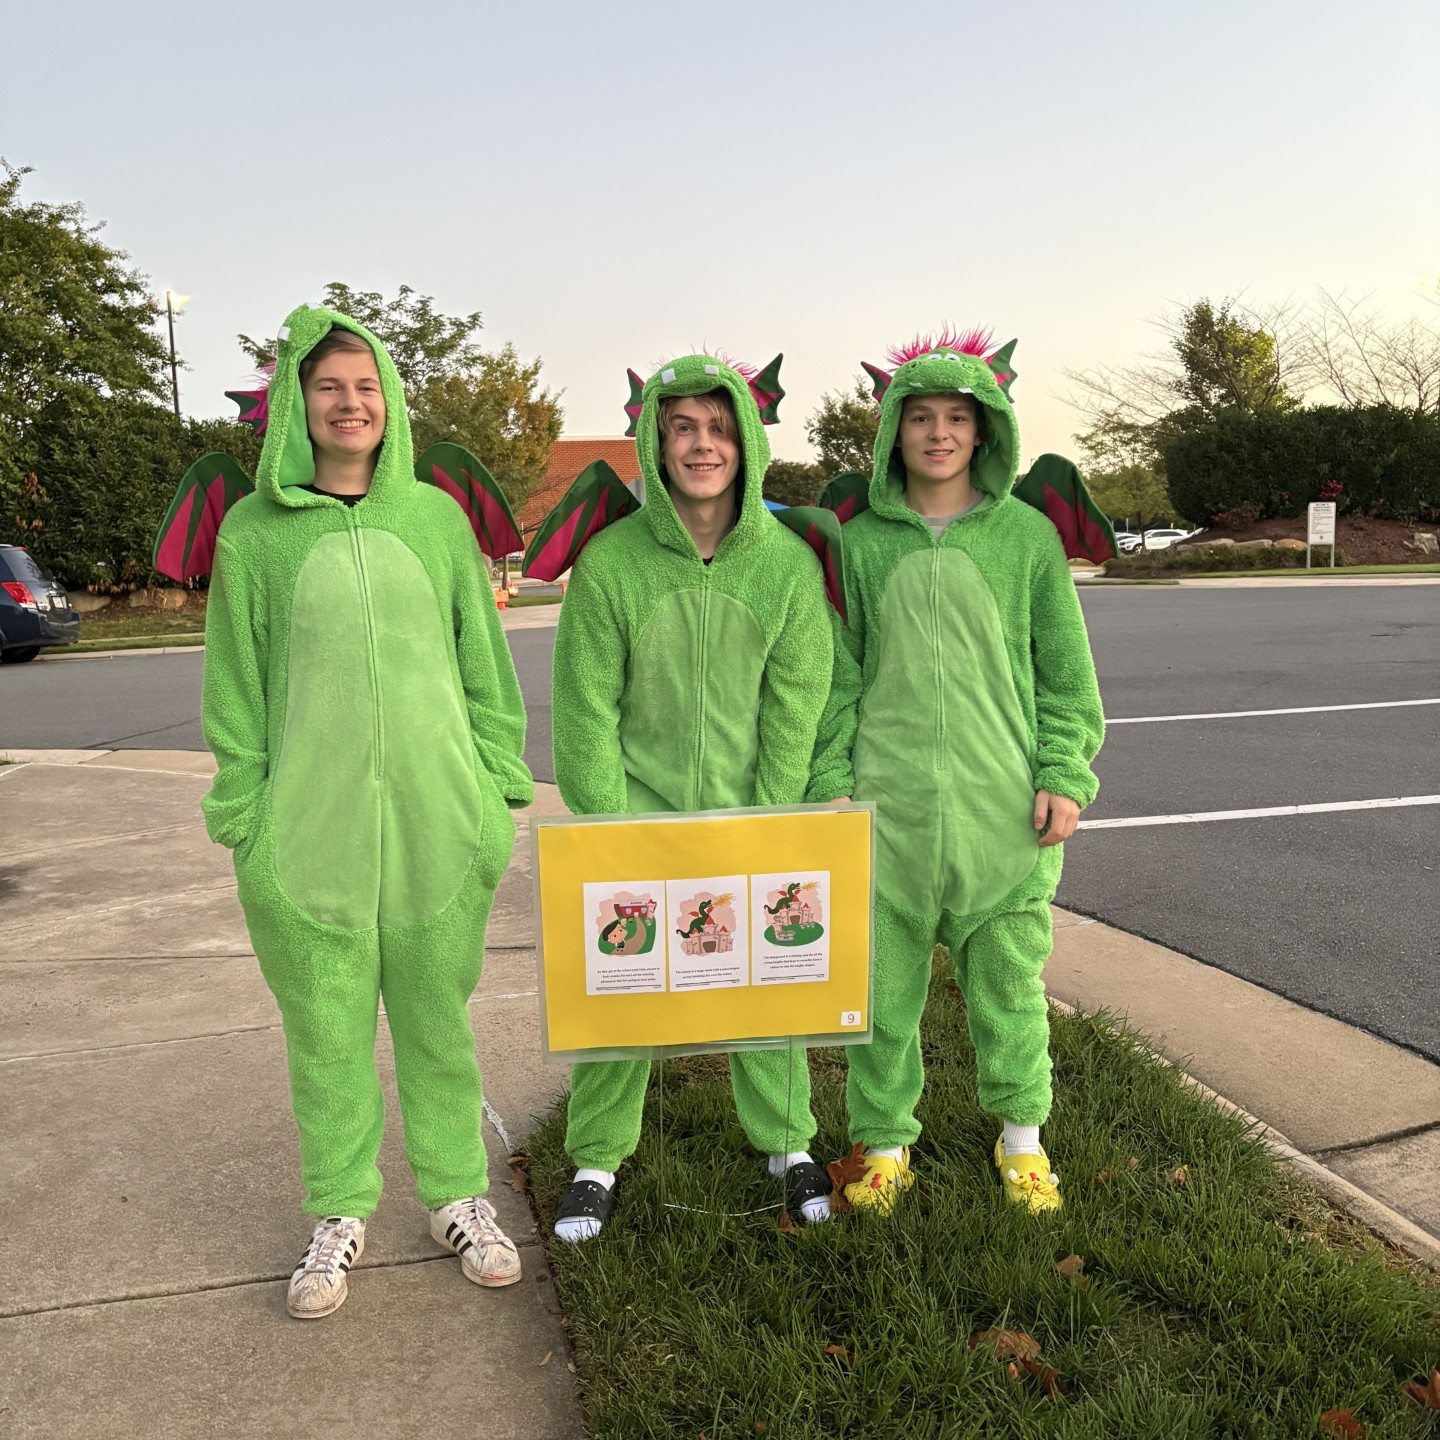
<point x="1126" y="541"/>
<point x="1164" y="539"/>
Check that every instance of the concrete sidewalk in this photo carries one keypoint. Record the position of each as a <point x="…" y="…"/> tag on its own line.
<point x="151" y="1190"/>
<point x="152" y="1197"/>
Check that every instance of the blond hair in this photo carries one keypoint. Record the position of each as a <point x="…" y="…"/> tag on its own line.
<point x="717" y="402"/>
<point x="335" y="338"/>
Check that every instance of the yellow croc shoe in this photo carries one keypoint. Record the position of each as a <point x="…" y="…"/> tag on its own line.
<point x="883" y="1182"/>
<point x="1028" y="1179"/>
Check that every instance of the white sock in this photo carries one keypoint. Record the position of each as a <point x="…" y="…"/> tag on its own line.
<point x="894" y="1152"/>
<point x="779" y="1164"/>
<point x="584" y="1227"/>
<point x="1022" y="1139"/>
<point x="813" y="1210"/>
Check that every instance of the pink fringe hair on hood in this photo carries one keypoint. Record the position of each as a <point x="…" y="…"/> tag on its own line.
<point x="972" y="342"/>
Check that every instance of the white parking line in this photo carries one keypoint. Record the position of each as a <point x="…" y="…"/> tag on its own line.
<point x="1391" y="803"/>
<point x="1242" y="714"/>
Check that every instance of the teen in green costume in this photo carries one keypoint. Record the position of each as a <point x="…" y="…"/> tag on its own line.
<point x="691" y="667"/>
<point x="368" y="728"/>
<point x="965" y="705"/>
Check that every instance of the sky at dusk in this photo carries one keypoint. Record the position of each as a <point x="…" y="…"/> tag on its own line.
<point x="614" y="184"/>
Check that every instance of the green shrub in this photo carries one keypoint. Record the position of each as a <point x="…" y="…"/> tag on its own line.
<point x="1196" y="558"/>
<point x="105" y="472"/>
<point x="1376" y="461"/>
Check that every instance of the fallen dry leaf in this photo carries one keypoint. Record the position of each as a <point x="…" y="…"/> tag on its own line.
<point x="1179" y="1175"/>
<point x="845" y="1171"/>
<point x="1104" y="1177"/>
<point x="785" y="1224"/>
<point x="1341" y="1425"/>
<point x="1013" y="1371"/>
<point x="1048" y="1377"/>
<point x="1007" y="1342"/>
<point x="1425" y="1392"/>
<point x="519" y="1164"/>
<point x="570" y="1366"/>
<point x="760" y="1427"/>
<point x="1133" y="1163"/>
<point x="1072" y="1268"/>
<point x="549" y="1355"/>
<point x="840" y="1353"/>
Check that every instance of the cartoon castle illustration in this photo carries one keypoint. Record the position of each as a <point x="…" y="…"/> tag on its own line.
<point x="712" y="939"/>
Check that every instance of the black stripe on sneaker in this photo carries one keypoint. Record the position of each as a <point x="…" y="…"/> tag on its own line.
<point x="464" y="1245"/>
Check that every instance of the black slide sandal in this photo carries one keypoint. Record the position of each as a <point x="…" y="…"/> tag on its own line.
<point x="586" y="1200"/>
<point x="805" y="1181"/>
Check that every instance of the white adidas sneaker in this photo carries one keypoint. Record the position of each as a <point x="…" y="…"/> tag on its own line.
<point x="487" y="1254"/>
<point x="320" y="1282"/>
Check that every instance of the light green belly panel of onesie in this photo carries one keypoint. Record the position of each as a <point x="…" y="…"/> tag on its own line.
<point x="942" y="746"/>
<point x="376" y="804"/>
<point x="689" y="735"/>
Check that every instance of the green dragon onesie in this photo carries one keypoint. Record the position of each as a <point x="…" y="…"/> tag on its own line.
<point x="364" y="713"/>
<point x="686" y="686"/>
<point x="963" y="685"/>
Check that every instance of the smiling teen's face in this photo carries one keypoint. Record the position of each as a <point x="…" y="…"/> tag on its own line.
<point x="701" y="454"/>
<point x="938" y="436"/>
<point x="344" y="407"/>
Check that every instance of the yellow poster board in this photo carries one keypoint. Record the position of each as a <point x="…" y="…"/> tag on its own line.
<point x="726" y="930"/>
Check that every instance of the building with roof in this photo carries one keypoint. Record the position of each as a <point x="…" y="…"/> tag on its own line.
<point x="569" y="455"/>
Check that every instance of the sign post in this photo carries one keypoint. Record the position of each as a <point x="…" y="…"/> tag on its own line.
<point x="1320" y="528"/>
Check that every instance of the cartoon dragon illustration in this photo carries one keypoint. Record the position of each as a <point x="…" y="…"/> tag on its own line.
<point x="786" y="900"/>
<point x="698" y="923"/>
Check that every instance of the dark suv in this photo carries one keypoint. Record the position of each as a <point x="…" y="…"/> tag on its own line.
<point x="34" y="610"/>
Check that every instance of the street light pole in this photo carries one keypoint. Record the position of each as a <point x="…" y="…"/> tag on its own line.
<point x="174" y="371"/>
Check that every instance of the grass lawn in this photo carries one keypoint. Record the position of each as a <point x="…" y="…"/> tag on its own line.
<point x="523" y="599"/>
<point x="1222" y="1300"/>
<point x="174" y="622"/>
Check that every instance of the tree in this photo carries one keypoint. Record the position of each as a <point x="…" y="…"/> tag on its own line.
<point x="794" y="482"/>
<point x="1219" y="358"/>
<point x="75" y="318"/>
<point x="1367" y="360"/>
<point x="495" y="408"/>
<point x="843" y="429"/>
<point x="1134" y="493"/>
<point x="423" y="343"/>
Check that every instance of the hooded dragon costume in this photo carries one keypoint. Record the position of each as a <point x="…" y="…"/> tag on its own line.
<point x="963" y="685"/>
<point x="686" y="684"/>
<point x="368" y="728"/>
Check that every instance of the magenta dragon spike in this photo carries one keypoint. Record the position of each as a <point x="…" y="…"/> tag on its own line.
<point x="633" y="404"/>
<point x="254" y="404"/>
<point x="879" y="380"/>
<point x="971" y="342"/>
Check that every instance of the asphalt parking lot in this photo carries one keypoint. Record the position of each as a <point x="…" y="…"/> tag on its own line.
<point x="1334" y="909"/>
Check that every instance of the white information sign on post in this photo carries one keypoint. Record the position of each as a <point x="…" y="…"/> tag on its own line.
<point x="1320" y="529"/>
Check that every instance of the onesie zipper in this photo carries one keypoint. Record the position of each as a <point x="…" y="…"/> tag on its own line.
<point x="367" y="612"/>
<point x="704" y="669"/>
<point x="936" y="658"/>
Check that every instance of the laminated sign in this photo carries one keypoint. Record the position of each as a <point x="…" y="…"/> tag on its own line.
<point x="726" y="930"/>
